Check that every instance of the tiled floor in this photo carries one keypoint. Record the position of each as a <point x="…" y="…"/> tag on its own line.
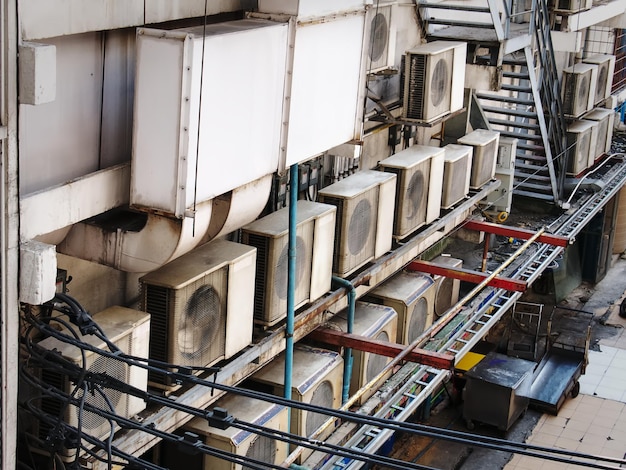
<point x="594" y="423"/>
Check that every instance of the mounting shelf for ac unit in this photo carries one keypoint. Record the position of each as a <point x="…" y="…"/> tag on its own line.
<point x="408" y="122"/>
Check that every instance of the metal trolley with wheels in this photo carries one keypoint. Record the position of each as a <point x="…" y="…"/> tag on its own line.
<point x="567" y="355"/>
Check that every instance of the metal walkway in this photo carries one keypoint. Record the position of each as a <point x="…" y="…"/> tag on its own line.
<point x="474" y="322"/>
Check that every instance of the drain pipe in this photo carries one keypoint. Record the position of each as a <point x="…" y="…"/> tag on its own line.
<point x="291" y="282"/>
<point x="347" y="355"/>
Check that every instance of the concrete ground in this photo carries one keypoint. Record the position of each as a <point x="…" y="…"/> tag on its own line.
<point x="593" y="423"/>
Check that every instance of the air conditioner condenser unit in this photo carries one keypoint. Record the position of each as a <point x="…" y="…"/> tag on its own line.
<point x="381" y="51"/>
<point x="485" y="145"/>
<point x="578" y="136"/>
<point x="434" y="80"/>
<point x="317" y="378"/>
<point x="412" y="296"/>
<point x="129" y="330"/>
<point x="201" y="306"/>
<point x="365" y="209"/>
<point x="578" y="88"/>
<point x="419" y="169"/>
<point x="237" y="441"/>
<point x="606" y="69"/>
<point x="315" y="231"/>
<point x="372" y="321"/>
<point x="457" y="171"/>
<point x="446" y="288"/>
<point x="605" y="118"/>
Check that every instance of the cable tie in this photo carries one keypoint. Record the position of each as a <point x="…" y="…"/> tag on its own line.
<point x="219" y="418"/>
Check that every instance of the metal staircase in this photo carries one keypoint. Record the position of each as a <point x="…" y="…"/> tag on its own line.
<point x="528" y="105"/>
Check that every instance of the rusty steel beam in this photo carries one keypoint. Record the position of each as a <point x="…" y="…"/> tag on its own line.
<point x="515" y="232"/>
<point x="383" y="348"/>
<point x="475" y="277"/>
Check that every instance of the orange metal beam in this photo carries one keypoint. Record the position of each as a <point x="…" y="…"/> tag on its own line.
<point x="468" y="275"/>
<point x="515" y="232"/>
<point x="360" y="343"/>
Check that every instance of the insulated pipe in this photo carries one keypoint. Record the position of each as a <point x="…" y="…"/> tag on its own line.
<point x="291" y="280"/>
<point x="347" y="355"/>
<point x="441" y="323"/>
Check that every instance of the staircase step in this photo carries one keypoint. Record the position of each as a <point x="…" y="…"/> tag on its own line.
<point x="531" y="159"/>
<point x="505" y="99"/>
<point x="517" y="75"/>
<point x="510" y="112"/>
<point x="538" y="187"/>
<point x="514" y="124"/>
<point x="530" y="147"/>
<point x="517" y="88"/>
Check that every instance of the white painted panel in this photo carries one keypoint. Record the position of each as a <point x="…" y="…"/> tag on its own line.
<point x="38" y="73"/>
<point x="59" y="141"/>
<point x="309" y="8"/>
<point x="242" y="99"/>
<point x="119" y="83"/>
<point x="51" y="18"/>
<point x="38" y="272"/>
<point x="326" y="80"/>
<point x="166" y="10"/>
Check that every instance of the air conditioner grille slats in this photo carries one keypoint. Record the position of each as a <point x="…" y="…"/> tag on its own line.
<point x="419" y="317"/>
<point x="156" y="301"/>
<point x="455" y="177"/>
<point x="376" y="362"/>
<point x="416" y="86"/>
<point x="262" y="449"/>
<point x="262" y="261"/>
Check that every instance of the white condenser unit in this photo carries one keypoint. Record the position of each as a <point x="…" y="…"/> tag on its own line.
<point x="578" y="85"/>
<point x="315" y="232"/>
<point x="484" y="155"/>
<point x="446" y="288"/>
<point x="434" y="80"/>
<point x="606" y="69"/>
<point x="365" y="210"/>
<point x="317" y="379"/>
<point x="129" y="330"/>
<point x="605" y="118"/>
<point x="371" y="321"/>
<point x="381" y="48"/>
<point x="183" y="151"/>
<point x="236" y="441"/>
<point x="412" y="295"/>
<point x="457" y="170"/>
<point x="419" y="169"/>
<point x="571" y="6"/>
<point x="201" y="306"/>
<point x="578" y="145"/>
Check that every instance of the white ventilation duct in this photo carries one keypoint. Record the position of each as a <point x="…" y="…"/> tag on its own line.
<point x="162" y="239"/>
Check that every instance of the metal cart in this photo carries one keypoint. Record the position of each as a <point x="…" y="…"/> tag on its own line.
<point x="565" y="360"/>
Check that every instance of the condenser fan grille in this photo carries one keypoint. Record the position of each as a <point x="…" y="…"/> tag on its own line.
<point x="439" y="83"/>
<point x="417" y="319"/>
<point x="322" y="396"/>
<point x="263" y="449"/>
<point x="416" y="89"/>
<point x="455" y="177"/>
<point x="262" y="245"/>
<point x="359" y="227"/>
<point x="380" y="33"/>
<point x="376" y="362"/>
<point x="188" y="324"/>
<point x="280" y="282"/>
<point x="443" y="299"/>
<point x="484" y="159"/>
<point x="582" y="149"/>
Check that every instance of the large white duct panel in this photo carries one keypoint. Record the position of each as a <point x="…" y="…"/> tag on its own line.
<point x="160" y="240"/>
<point x="240" y="102"/>
<point x="309" y="8"/>
<point x="325" y="86"/>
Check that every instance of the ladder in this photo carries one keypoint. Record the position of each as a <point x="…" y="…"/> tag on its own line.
<point x="474" y="322"/>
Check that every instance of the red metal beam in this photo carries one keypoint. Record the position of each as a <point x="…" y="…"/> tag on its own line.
<point x="515" y="232"/>
<point x="360" y="343"/>
<point x="468" y="275"/>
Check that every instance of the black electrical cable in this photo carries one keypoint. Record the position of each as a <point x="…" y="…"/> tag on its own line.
<point x="455" y="436"/>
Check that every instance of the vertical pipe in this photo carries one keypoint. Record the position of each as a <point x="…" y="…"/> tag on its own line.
<point x="291" y="279"/>
<point x="347" y="355"/>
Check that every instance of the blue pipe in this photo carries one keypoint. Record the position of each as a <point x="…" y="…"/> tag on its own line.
<point x="347" y="354"/>
<point x="291" y="280"/>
